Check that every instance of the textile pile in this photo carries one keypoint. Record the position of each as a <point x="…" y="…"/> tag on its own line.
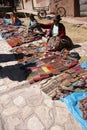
<point x="17" y="35"/>
<point x="83" y="107"/>
<point x="49" y="65"/>
<point x="40" y="63"/>
<point x="71" y="80"/>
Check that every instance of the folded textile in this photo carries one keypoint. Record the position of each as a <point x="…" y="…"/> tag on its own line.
<point x="74" y="79"/>
<point x="83" y="107"/>
<point x="71" y="102"/>
<point x="49" y="65"/>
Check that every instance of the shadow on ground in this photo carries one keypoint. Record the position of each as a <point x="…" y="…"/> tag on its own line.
<point x="7" y="57"/>
<point x="10" y="57"/>
<point x="13" y="72"/>
<point x="76" y="46"/>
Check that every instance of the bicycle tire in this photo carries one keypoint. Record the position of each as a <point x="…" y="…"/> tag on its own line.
<point x="61" y="11"/>
<point x="42" y="14"/>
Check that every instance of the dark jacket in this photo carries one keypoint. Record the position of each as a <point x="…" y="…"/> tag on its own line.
<point x="61" y="28"/>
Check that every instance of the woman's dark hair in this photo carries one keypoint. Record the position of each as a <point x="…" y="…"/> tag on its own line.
<point x="31" y="16"/>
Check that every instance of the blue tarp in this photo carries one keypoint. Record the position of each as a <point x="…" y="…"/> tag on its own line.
<point x="71" y="102"/>
<point x="84" y="65"/>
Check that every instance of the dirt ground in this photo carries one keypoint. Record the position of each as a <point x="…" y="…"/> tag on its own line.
<point x="77" y="33"/>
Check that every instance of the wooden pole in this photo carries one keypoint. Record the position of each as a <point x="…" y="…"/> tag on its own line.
<point x="32" y="4"/>
<point x="23" y="4"/>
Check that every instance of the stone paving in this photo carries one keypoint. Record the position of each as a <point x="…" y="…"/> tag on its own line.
<point x="26" y="107"/>
<point x="9" y="68"/>
<point x="30" y="109"/>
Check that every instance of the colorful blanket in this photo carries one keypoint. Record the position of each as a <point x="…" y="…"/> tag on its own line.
<point x="40" y="63"/>
<point x="83" y="107"/>
<point x="71" y="80"/>
<point x="19" y="40"/>
<point x="16" y="35"/>
<point x="50" y="65"/>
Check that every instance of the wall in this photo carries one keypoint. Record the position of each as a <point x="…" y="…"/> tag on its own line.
<point x="37" y="3"/>
<point x="71" y="6"/>
<point x="28" y="5"/>
<point x="83" y="7"/>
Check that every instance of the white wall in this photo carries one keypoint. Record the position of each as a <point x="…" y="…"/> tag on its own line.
<point x="37" y="3"/>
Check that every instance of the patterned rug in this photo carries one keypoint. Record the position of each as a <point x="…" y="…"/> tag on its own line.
<point x="51" y="64"/>
<point x="71" y="80"/>
<point x="17" y="35"/>
<point x="40" y="64"/>
<point x="19" y="40"/>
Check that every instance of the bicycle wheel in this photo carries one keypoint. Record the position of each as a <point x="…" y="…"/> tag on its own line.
<point x="61" y="11"/>
<point x="42" y="14"/>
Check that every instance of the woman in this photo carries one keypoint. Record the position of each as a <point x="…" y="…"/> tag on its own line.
<point x="15" y="20"/>
<point x="57" y="35"/>
<point x="34" y="26"/>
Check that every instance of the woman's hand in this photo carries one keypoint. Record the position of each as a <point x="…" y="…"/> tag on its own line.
<point x="57" y="38"/>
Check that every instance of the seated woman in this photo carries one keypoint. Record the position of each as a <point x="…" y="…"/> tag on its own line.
<point x="57" y="35"/>
<point x="15" y="20"/>
<point x="34" y="26"/>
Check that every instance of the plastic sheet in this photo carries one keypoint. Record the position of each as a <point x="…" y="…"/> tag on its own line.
<point x="84" y="65"/>
<point x="71" y="102"/>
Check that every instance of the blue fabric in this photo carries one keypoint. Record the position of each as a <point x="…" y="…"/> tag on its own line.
<point x="7" y="21"/>
<point x="32" y="23"/>
<point x="84" y="65"/>
<point x="71" y="102"/>
<point x="17" y="23"/>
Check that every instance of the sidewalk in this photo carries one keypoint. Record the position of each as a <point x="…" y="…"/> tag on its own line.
<point x="26" y="107"/>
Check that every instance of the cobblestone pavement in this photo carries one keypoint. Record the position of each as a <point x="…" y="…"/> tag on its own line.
<point x="26" y="107"/>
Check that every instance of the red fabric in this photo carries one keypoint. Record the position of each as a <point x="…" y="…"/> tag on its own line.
<point x="46" y="26"/>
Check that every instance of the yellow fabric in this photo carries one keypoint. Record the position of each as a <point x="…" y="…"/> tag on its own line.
<point x="45" y="69"/>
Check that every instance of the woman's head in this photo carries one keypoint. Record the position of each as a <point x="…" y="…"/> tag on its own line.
<point x="32" y="17"/>
<point x="13" y="15"/>
<point x="56" y="19"/>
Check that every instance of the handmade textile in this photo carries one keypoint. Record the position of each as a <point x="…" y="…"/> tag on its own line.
<point x="71" y="102"/>
<point x="15" y="40"/>
<point x="59" y="44"/>
<point x="30" y="53"/>
<point x="50" y="64"/>
<point x="83" y="107"/>
<point x="71" y="80"/>
<point x="67" y="82"/>
<point x="74" y="79"/>
<point x="16" y="35"/>
<point x="53" y="89"/>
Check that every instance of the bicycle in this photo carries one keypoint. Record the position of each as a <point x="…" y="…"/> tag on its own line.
<point x="42" y="11"/>
<point x="59" y="10"/>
